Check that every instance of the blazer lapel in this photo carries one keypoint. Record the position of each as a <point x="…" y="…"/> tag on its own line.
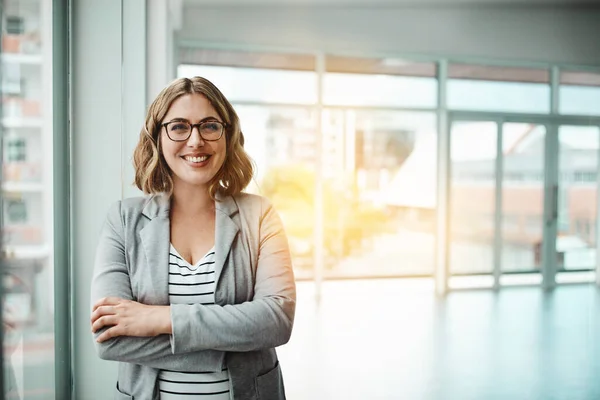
<point x="155" y="237"/>
<point x="226" y="231"/>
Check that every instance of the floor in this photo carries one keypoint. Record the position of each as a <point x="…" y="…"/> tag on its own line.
<point x="394" y="339"/>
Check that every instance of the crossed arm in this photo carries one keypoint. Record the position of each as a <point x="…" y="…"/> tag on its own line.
<point x="170" y="336"/>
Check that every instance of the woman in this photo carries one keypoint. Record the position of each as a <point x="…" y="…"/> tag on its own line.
<point x="193" y="285"/>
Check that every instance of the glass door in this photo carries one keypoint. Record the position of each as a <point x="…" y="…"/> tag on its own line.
<point x="499" y="207"/>
<point x="523" y="200"/>
<point x="522" y="181"/>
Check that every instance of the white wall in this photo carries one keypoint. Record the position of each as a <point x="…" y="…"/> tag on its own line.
<point x="541" y="34"/>
<point x="96" y="170"/>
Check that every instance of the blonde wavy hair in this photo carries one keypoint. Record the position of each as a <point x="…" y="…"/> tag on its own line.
<point x="153" y="175"/>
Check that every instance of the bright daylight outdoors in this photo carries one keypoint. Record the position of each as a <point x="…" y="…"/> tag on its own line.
<point x="367" y="158"/>
<point x="379" y="165"/>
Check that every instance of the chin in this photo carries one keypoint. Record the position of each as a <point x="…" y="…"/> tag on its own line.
<point x="197" y="181"/>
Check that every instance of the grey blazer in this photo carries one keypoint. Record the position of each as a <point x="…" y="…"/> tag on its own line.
<point x="255" y="297"/>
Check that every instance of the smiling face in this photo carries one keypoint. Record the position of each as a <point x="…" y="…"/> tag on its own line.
<point x="195" y="161"/>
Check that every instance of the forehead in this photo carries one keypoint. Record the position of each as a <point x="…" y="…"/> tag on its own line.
<point x="191" y="107"/>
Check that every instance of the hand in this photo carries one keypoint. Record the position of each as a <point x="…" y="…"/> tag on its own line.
<point x="129" y="318"/>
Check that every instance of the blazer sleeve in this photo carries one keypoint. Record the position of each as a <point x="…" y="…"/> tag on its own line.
<point x="264" y="322"/>
<point x="111" y="278"/>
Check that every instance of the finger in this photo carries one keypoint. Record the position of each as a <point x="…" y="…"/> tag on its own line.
<point x="107" y="320"/>
<point x="102" y="310"/>
<point x="107" y="301"/>
<point x="108" y="334"/>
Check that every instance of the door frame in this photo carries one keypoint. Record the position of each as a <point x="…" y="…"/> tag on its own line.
<point x="551" y="182"/>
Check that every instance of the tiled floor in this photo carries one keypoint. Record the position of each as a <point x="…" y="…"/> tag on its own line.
<point x="393" y="339"/>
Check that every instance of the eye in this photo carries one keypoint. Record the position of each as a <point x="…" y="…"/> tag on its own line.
<point x="179" y="126"/>
<point x="212" y="126"/>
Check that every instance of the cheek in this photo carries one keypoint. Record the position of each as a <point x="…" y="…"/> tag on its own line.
<point x="222" y="154"/>
<point x="166" y="148"/>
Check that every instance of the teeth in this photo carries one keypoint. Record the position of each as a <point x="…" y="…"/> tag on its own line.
<point x="196" y="159"/>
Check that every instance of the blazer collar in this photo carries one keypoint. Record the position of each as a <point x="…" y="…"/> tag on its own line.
<point x="160" y="205"/>
<point x="226" y="232"/>
<point x="157" y="205"/>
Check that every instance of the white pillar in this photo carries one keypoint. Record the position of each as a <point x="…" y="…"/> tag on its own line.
<point x="163" y="19"/>
<point x="134" y="86"/>
<point x="441" y="269"/>
<point x="108" y="104"/>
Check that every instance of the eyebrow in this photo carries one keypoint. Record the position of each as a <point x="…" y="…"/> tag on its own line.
<point x="177" y="119"/>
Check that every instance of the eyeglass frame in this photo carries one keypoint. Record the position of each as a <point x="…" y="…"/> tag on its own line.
<point x="223" y="124"/>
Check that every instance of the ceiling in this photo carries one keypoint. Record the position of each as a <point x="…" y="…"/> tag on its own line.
<point x="388" y="3"/>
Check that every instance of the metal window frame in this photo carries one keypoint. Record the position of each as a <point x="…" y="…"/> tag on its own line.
<point x="441" y="273"/>
<point x="62" y="196"/>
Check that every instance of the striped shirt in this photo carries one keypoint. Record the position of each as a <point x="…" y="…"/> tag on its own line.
<point x="193" y="284"/>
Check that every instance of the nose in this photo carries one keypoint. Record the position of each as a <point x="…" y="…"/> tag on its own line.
<point x="195" y="139"/>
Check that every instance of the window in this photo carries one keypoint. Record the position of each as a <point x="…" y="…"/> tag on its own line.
<point x="16" y="210"/>
<point x="254" y="77"/>
<point x="27" y="192"/>
<point x="473" y="148"/>
<point x="379" y="82"/>
<point x="16" y="149"/>
<point x="14" y="25"/>
<point x="485" y="88"/>
<point x="282" y="146"/>
<point x="380" y="192"/>
<point x="579" y="93"/>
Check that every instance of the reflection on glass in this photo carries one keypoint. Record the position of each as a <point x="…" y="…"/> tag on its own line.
<point x="27" y="240"/>
<point x="522" y="196"/>
<point x="379" y="192"/>
<point x="472" y="196"/>
<point x="577" y="210"/>
<point x="282" y="143"/>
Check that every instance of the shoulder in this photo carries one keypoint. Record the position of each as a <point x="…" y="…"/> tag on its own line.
<point x="129" y="208"/>
<point x="133" y="204"/>
<point x="252" y="203"/>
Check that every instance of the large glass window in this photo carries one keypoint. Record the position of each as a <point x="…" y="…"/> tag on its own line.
<point x="508" y="89"/>
<point x="27" y="229"/>
<point x="379" y="166"/>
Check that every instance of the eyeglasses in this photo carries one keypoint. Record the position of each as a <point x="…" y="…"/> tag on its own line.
<point x="180" y="131"/>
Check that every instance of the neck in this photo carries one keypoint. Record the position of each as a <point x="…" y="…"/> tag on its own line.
<point x="191" y="200"/>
